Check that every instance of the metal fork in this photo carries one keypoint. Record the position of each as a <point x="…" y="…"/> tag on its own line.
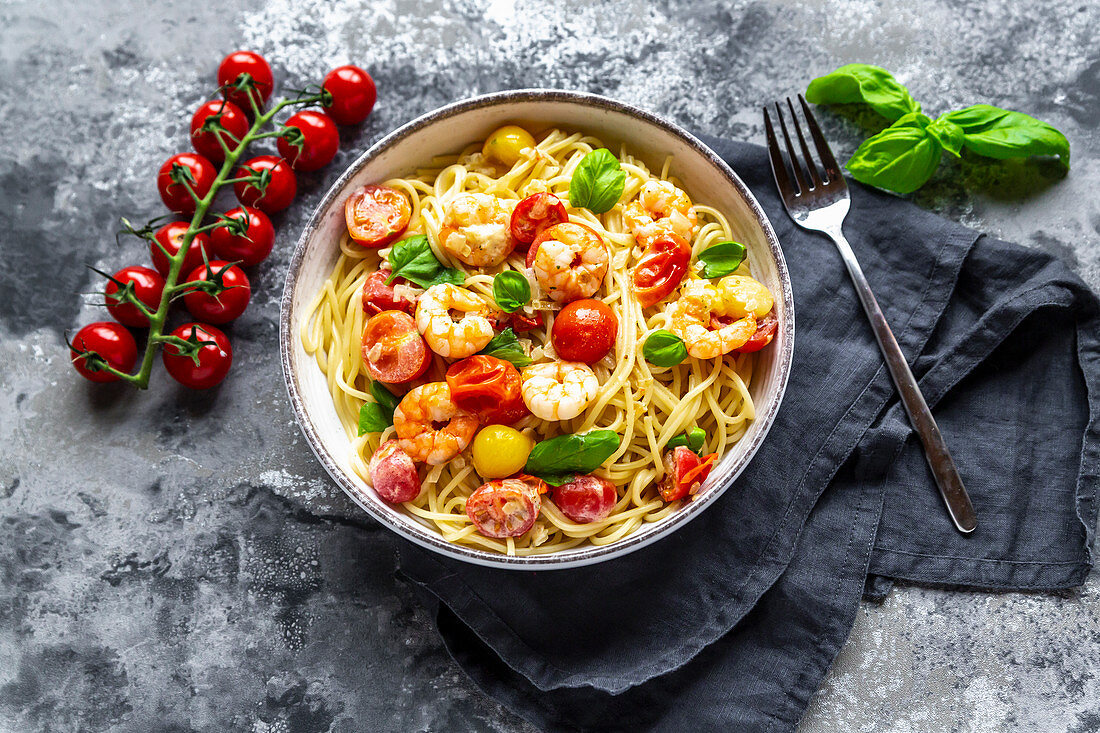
<point x="819" y="201"/>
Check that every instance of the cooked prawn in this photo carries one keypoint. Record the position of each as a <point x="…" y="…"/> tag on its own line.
<point x="430" y="427"/>
<point x="715" y="318"/>
<point x="476" y="229"/>
<point x="570" y="261"/>
<point x="436" y="312"/>
<point x="558" y="390"/>
<point x="660" y="207"/>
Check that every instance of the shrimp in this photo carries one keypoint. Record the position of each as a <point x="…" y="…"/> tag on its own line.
<point x="435" y="319"/>
<point x="715" y="318"/>
<point x="476" y="229"/>
<point x="558" y="390"/>
<point x="569" y="261"/>
<point x="660" y="207"/>
<point x="430" y="427"/>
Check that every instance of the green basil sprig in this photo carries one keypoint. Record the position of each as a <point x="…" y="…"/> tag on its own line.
<point x="511" y="291"/>
<point x="904" y="156"/>
<point x="374" y="417"/>
<point x="506" y="346"/>
<point x="598" y="182"/>
<point x="721" y="259"/>
<point x="414" y="260"/>
<point x="664" y="348"/>
<point x="692" y="440"/>
<point x="557" y="460"/>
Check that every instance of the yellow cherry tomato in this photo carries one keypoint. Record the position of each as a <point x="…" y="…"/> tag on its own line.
<point x="500" y="451"/>
<point x="505" y="144"/>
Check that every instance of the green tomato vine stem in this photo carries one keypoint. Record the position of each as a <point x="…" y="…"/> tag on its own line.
<point x="171" y="288"/>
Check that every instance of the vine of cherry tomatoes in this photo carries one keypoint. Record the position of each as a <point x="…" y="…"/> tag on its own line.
<point x="214" y="288"/>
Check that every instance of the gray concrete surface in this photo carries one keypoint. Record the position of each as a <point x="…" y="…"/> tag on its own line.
<point x="174" y="561"/>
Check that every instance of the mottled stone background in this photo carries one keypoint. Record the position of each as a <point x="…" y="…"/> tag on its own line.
<point x="175" y="561"/>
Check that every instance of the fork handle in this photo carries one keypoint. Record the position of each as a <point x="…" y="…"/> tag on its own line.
<point x="935" y="449"/>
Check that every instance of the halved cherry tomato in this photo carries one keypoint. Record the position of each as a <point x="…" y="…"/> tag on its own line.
<point x="585" y="499"/>
<point x="319" y="142"/>
<point x="169" y="238"/>
<point x="684" y="472"/>
<point x="376" y="215"/>
<point x="250" y="248"/>
<point x="584" y="331"/>
<point x="352" y="94"/>
<point x="393" y="473"/>
<point x="506" y="507"/>
<point x="230" y="117"/>
<point x="225" y="306"/>
<point x="765" y="332"/>
<point x="393" y="350"/>
<point x="570" y="231"/>
<point x="535" y="213"/>
<point x="215" y="357"/>
<point x="199" y="174"/>
<point x="113" y="345"/>
<point x="258" y="70"/>
<point x="662" y="266"/>
<point x="488" y="387"/>
<point x="147" y="286"/>
<point x="378" y="296"/>
<point x="281" y="188"/>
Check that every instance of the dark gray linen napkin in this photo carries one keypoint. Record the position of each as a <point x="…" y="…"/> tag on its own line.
<point x="733" y="621"/>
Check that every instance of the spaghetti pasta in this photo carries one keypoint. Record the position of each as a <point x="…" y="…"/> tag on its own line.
<point x="645" y="404"/>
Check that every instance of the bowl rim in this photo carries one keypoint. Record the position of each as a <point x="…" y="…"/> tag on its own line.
<point x="589" y="554"/>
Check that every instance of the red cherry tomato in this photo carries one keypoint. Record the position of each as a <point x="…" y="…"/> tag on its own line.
<point x="319" y="143"/>
<point x="215" y="357"/>
<point x="250" y="248"/>
<point x="378" y="296"/>
<point x="569" y="231"/>
<point x="353" y="94"/>
<point x="684" y="472"/>
<point x="170" y="237"/>
<point x="393" y="350"/>
<point x="505" y="507"/>
<point x="227" y="305"/>
<point x="535" y="213"/>
<point x="765" y="332"/>
<point x="196" y="170"/>
<point x="281" y="186"/>
<point x="376" y="215"/>
<point x="662" y="266"/>
<point x="586" y="499"/>
<point x="256" y="67"/>
<point x="584" y="331"/>
<point x="231" y="118"/>
<point x="113" y="346"/>
<point x="146" y="284"/>
<point x="393" y="474"/>
<point x="488" y="387"/>
<point x="519" y="321"/>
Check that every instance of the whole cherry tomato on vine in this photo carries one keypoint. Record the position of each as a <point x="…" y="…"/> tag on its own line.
<point x="113" y="345"/>
<point x="183" y="171"/>
<point x="147" y="286"/>
<point x="238" y="64"/>
<point x="353" y="94"/>
<point x="227" y="305"/>
<point x="316" y="137"/>
<point x="215" y="356"/>
<point x="228" y="116"/>
<point x="282" y="184"/>
<point x="253" y="245"/>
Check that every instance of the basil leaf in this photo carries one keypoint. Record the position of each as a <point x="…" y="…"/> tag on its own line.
<point x="947" y="134"/>
<point x="721" y="259"/>
<point x="1002" y="133"/>
<point x="871" y="85"/>
<point x="692" y="440"/>
<point x="901" y="158"/>
<point x="597" y="182"/>
<point x="414" y="260"/>
<point x="556" y="459"/>
<point x="664" y="348"/>
<point x="511" y="291"/>
<point x="506" y="346"/>
<point x="374" y="417"/>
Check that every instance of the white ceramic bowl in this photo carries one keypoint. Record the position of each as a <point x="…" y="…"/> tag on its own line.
<point x="707" y="179"/>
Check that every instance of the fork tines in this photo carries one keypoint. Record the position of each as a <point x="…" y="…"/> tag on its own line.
<point x="807" y="176"/>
